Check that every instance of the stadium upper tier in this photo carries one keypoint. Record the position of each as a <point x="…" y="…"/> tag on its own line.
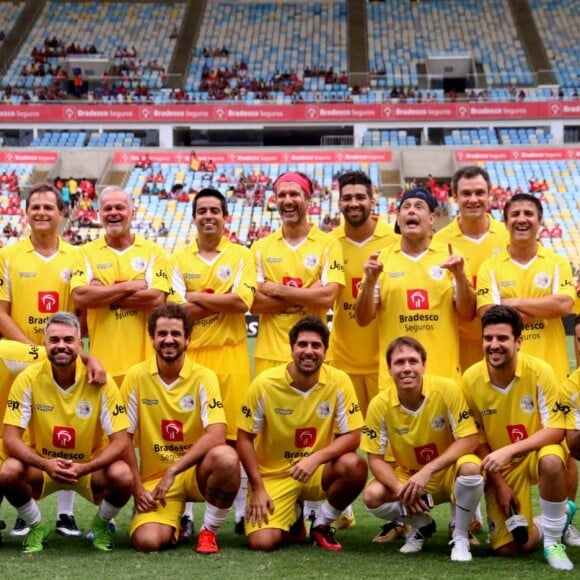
<point x="285" y="52"/>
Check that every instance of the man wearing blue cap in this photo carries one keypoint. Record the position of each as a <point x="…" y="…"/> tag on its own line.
<point x="418" y="288"/>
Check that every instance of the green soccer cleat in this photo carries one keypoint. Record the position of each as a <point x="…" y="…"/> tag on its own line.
<point x="34" y="541"/>
<point x="102" y="539"/>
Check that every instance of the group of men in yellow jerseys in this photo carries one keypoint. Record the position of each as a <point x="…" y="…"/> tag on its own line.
<point x="404" y="305"/>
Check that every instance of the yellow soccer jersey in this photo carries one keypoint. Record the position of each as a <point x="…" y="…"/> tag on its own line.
<point x="416" y="298"/>
<point x="118" y="336"/>
<point x="291" y="424"/>
<point x="546" y="275"/>
<point x="570" y="399"/>
<point x="232" y="270"/>
<point x="353" y="348"/>
<point x="530" y="403"/>
<point x="317" y="259"/>
<point x="417" y="437"/>
<point x="36" y="287"/>
<point x="475" y="251"/>
<point x="67" y="424"/>
<point x="166" y="420"/>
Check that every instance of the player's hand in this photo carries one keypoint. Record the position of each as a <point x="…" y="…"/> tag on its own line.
<point x="269" y="289"/>
<point x="304" y="469"/>
<point x="497" y="459"/>
<point x="144" y="500"/>
<point x="135" y="286"/>
<point x="163" y="486"/>
<point x="96" y="283"/>
<point x="373" y="268"/>
<point x="454" y="263"/>
<point x="259" y="508"/>
<point x="414" y="488"/>
<point x="96" y="374"/>
<point x="59" y="470"/>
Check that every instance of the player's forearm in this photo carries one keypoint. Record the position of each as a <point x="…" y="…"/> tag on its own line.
<point x="226" y="303"/>
<point x="383" y="472"/>
<point x="119" y="444"/>
<point x="315" y="297"/>
<point x="209" y="440"/>
<point x="543" y="307"/>
<point x="457" y="449"/>
<point x="465" y="301"/>
<point x="248" y="458"/>
<point x="266" y="305"/>
<point x="365" y="308"/>
<point x="539" y="439"/>
<point x="342" y="444"/>
<point x="10" y="330"/>
<point x="15" y="447"/>
<point x="99" y="296"/>
<point x="143" y="300"/>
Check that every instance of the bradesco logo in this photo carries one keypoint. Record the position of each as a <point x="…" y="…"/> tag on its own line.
<point x="63" y="437"/>
<point x="290" y="281"/>
<point x="48" y="302"/>
<point x="426" y="453"/>
<point x="305" y="437"/>
<point x="171" y="430"/>
<point x="417" y="299"/>
<point x="356" y="286"/>
<point x="517" y="432"/>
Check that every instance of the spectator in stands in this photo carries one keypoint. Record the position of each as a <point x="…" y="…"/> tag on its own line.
<point x="73" y="186"/>
<point x="556" y="231"/>
<point x="314" y="209"/>
<point x="183" y="196"/>
<point x="544" y="232"/>
<point x="162" y="232"/>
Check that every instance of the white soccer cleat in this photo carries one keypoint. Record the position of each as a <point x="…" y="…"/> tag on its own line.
<point x="460" y="551"/>
<point x="416" y="537"/>
<point x="557" y="558"/>
<point x="571" y="536"/>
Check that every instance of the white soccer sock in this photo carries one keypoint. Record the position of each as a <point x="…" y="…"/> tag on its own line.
<point x="326" y="515"/>
<point x="390" y="510"/>
<point x="241" y="496"/>
<point x="29" y="512"/>
<point x="553" y="521"/>
<point x="107" y="511"/>
<point x="188" y="510"/>
<point x="311" y="506"/>
<point x="468" y="490"/>
<point x="478" y="513"/>
<point x="214" y="517"/>
<point x="65" y="502"/>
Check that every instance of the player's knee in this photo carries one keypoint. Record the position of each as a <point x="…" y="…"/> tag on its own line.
<point x="119" y="475"/>
<point x="551" y="466"/>
<point x="264" y="540"/>
<point x="374" y="495"/>
<point x="469" y="469"/>
<point x="13" y="471"/>
<point x="352" y="465"/>
<point x="148" y="539"/>
<point x="224" y="459"/>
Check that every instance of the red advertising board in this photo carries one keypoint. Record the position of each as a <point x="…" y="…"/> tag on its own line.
<point x="305" y="113"/>
<point x="28" y="156"/>
<point x="474" y="155"/>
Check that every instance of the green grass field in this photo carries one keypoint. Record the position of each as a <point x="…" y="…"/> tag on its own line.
<point x="68" y="559"/>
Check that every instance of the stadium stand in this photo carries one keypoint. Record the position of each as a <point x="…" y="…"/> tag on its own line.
<point x="11" y="12"/>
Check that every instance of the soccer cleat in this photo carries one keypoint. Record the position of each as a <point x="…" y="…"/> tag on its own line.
<point x="102" y="539"/>
<point x="571" y="536"/>
<point x="186" y="528"/>
<point x="239" y="528"/>
<point x="556" y="557"/>
<point x="34" y="541"/>
<point x="344" y="522"/>
<point x="473" y="539"/>
<point x="66" y="526"/>
<point x="460" y="551"/>
<point x="323" y="535"/>
<point x="415" y="538"/>
<point x="21" y="528"/>
<point x="206" y="542"/>
<point x="390" y="532"/>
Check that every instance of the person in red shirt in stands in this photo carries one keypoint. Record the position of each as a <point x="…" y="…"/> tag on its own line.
<point x="159" y="178"/>
<point x="556" y="231"/>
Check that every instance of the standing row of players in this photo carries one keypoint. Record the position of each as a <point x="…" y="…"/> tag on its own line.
<point x="417" y="285"/>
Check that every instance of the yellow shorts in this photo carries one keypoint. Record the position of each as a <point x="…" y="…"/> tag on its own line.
<point x="520" y="478"/>
<point x="231" y="364"/>
<point x="365" y="387"/>
<point x="285" y="492"/>
<point x="263" y="364"/>
<point x="442" y="484"/>
<point x="82" y="487"/>
<point x="184" y="489"/>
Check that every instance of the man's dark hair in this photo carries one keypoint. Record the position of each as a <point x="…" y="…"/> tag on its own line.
<point x="406" y="341"/>
<point x="310" y="324"/>
<point x="169" y="310"/>
<point x="523" y="197"/>
<point x="355" y="178"/>
<point x="46" y="188"/>
<point x="500" y="314"/>
<point x="211" y="192"/>
<point x="469" y="172"/>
